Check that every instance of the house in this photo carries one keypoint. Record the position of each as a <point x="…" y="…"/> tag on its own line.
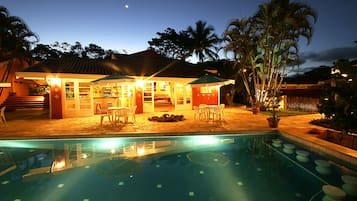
<point x="78" y="86"/>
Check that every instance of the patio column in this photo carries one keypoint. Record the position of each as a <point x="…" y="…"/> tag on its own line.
<point x="55" y="98"/>
<point x="139" y="100"/>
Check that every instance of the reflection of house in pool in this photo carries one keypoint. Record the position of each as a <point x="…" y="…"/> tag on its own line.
<point x="32" y="160"/>
<point x="159" y="82"/>
<point x="24" y="162"/>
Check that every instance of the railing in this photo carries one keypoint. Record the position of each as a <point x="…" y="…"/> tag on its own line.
<point x="302" y="104"/>
<point x="18" y="102"/>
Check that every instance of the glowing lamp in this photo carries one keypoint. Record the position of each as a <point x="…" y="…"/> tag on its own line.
<point x="140" y="83"/>
<point x="54" y="81"/>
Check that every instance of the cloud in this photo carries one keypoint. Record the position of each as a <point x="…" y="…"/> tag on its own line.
<point x="330" y="55"/>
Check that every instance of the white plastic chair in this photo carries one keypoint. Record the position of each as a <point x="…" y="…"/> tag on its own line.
<point x="121" y="112"/>
<point x="103" y="113"/>
<point x="219" y="112"/>
<point x="131" y="113"/>
<point x="203" y="111"/>
<point x="2" y="115"/>
<point x="197" y="113"/>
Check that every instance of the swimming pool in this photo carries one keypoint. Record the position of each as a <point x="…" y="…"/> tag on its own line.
<point x="212" y="168"/>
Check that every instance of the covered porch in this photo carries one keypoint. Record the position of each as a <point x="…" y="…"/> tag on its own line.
<point x="78" y="95"/>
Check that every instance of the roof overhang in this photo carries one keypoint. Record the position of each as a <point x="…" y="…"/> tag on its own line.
<point x="42" y="75"/>
<point x="228" y="82"/>
<point x="91" y="77"/>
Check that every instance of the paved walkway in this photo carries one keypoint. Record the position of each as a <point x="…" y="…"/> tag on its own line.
<point x="236" y="120"/>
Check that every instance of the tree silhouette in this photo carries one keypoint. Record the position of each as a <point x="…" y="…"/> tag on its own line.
<point x="15" y="41"/>
<point x="199" y="40"/>
<point x="172" y="44"/>
<point x="204" y="41"/>
<point x="65" y="50"/>
<point x="267" y="43"/>
<point x="42" y="52"/>
<point x="94" y="51"/>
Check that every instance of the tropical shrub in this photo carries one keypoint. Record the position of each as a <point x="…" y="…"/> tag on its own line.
<point x="339" y="101"/>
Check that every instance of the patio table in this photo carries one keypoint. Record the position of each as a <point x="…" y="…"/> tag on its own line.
<point x="116" y="113"/>
<point x="208" y="111"/>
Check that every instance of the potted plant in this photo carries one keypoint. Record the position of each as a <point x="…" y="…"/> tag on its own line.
<point x="274" y="119"/>
<point x="255" y="108"/>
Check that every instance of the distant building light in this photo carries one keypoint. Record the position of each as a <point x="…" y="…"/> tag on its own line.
<point x="350" y="80"/>
<point x="344" y="75"/>
<point x="335" y="71"/>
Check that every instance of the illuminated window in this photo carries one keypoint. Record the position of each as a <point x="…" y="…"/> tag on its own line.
<point x="205" y="90"/>
<point x="165" y="86"/>
<point x="69" y="90"/>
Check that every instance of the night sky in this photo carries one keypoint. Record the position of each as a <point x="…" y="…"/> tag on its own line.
<point x="127" y="25"/>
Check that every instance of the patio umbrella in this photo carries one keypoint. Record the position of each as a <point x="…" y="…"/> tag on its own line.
<point x="113" y="79"/>
<point x="210" y="80"/>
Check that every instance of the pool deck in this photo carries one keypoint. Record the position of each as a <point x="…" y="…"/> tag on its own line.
<point x="237" y="120"/>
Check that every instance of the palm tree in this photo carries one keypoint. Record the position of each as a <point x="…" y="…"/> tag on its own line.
<point x="203" y="41"/>
<point x="269" y="42"/>
<point x="280" y="24"/>
<point x="15" y="42"/>
<point x="240" y="40"/>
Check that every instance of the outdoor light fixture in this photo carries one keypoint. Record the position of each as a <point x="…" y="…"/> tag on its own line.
<point x="140" y="83"/>
<point x="344" y="75"/>
<point x="54" y="81"/>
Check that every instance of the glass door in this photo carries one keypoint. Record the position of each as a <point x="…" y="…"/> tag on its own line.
<point x="78" y="98"/>
<point x="85" y="102"/>
<point x="148" y="105"/>
<point x="125" y="92"/>
<point x="183" y="97"/>
<point x="69" y="103"/>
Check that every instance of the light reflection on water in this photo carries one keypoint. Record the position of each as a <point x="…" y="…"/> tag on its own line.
<point x="173" y="168"/>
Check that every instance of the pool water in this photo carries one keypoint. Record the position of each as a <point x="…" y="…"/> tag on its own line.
<point x="210" y="168"/>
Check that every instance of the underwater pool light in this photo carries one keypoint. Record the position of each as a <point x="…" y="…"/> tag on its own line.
<point x="205" y="140"/>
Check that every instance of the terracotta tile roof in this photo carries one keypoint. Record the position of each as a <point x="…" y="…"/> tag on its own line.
<point x="138" y="64"/>
<point x="76" y="66"/>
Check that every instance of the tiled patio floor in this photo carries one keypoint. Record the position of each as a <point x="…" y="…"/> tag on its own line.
<point x="236" y="120"/>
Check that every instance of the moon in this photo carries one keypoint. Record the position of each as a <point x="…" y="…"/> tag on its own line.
<point x="126" y="6"/>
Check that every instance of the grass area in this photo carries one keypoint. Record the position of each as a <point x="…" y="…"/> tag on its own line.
<point x="287" y="113"/>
